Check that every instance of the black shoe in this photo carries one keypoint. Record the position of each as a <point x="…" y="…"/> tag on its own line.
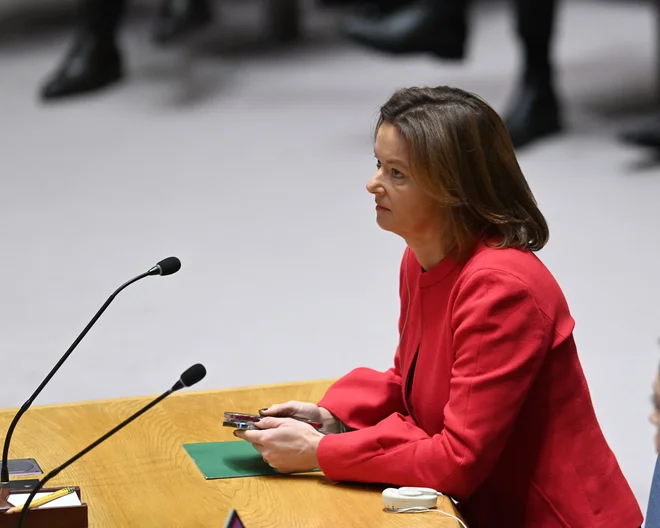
<point x="90" y="65"/>
<point x="648" y="136"/>
<point x="535" y="114"/>
<point x="338" y="3"/>
<point x="178" y="18"/>
<point x="382" y="6"/>
<point x="433" y="26"/>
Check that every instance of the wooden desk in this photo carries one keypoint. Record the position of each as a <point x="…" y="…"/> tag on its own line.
<point x="143" y="477"/>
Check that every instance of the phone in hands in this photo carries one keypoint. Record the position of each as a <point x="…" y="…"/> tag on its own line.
<point x="246" y="421"/>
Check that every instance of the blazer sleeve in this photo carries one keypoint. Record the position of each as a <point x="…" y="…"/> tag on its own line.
<point x="364" y="396"/>
<point x="501" y="338"/>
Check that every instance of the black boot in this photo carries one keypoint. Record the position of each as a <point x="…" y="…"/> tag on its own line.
<point x="378" y="6"/>
<point x="646" y="136"/>
<point x="94" y="61"/>
<point x="90" y="65"/>
<point x="338" y="3"/>
<point x="534" y="112"/>
<point x="434" y="26"/>
<point x="178" y="18"/>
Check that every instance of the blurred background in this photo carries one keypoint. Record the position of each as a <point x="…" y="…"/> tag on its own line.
<point x="237" y="135"/>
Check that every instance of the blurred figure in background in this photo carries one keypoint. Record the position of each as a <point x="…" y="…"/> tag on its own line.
<point x="653" y="511"/>
<point x="441" y="27"/>
<point x="655" y="413"/>
<point x="95" y="60"/>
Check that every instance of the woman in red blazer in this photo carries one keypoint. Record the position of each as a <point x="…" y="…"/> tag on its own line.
<point x="487" y="401"/>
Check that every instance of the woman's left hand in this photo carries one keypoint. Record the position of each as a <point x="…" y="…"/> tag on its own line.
<point x="286" y="444"/>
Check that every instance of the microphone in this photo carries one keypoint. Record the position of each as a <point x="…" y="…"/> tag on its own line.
<point x="190" y="377"/>
<point x="166" y="266"/>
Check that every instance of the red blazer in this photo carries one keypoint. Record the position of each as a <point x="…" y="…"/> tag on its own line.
<point x="487" y="402"/>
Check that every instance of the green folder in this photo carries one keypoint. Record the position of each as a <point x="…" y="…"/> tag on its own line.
<point x="220" y="460"/>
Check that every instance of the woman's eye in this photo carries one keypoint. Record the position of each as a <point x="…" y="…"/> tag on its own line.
<point x="397" y="174"/>
<point x="378" y="164"/>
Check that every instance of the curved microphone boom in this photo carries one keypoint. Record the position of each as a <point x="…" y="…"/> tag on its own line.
<point x="193" y="375"/>
<point x="166" y="266"/>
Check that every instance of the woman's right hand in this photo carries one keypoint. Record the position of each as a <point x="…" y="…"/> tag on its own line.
<point x="306" y="411"/>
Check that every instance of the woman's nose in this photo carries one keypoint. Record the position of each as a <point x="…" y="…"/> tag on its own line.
<point x="373" y="185"/>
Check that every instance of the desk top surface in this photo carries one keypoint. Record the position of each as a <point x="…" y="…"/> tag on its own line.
<point x="142" y="476"/>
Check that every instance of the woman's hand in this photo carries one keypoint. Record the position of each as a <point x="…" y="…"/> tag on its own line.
<point x="306" y="411"/>
<point x="285" y="444"/>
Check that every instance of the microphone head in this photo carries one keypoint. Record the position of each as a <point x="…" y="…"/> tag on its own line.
<point x="166" y="266"/>
<point x="193" y="375"/>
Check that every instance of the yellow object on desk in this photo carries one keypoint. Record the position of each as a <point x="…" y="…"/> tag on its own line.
<point x="43" y="500"/>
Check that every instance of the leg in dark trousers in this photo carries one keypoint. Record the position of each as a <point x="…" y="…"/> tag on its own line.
<point x="94" y="60"/>
<point x="100" y="19"/>
<point x="535" y="23"/>
<point x="534" y="112"/>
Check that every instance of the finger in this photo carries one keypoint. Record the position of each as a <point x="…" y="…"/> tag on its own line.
<point x="254" y="436"/>
<point x="270" y="422"/>
<point x="258" y="446"/>
<point x="281" y="409"/>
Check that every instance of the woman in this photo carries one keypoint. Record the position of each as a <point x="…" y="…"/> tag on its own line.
<point x="486" y="401"/>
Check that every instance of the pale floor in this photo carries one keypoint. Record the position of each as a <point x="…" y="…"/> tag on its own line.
<point x="250" y="166"/>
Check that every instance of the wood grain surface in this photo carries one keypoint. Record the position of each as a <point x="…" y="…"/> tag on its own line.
<point x="143" y="477"/>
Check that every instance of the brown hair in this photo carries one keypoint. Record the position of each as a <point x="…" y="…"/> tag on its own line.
<point x="462" y="155"/>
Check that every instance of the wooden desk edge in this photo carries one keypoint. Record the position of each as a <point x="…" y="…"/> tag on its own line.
<point x="184" y="393"/>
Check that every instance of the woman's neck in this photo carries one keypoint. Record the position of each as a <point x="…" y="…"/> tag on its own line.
<point x="429" y="253"/>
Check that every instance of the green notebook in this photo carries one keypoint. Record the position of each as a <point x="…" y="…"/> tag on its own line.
<point x="219" y="460"/>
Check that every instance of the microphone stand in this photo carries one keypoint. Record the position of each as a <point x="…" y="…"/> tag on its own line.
<point x="4" y="472"/>
<point x="57" y="470"/>
<point x="189" y="378"/>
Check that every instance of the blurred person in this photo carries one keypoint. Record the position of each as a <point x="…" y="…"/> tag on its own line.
<point x="94" y="61"/>
<point x="653" y="511"/>
<point x="486" y="400"/>
<point x="655" y="413"/>
<point x="441" y="27"/>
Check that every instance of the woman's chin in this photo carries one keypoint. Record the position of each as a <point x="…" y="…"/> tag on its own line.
<point x="383" y="223"/>
<point x="387" y="226"/>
